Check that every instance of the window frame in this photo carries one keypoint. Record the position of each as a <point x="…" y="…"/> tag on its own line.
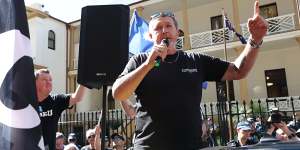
<point x="51" y="38"/>
<point x="284" y="91"/>
<point x="265" y="10"/>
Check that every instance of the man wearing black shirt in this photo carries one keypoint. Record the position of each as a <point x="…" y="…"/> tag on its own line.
<point x="168" y="96"/>
<point x="244" y="130"/>
<point x="50" y="107"/>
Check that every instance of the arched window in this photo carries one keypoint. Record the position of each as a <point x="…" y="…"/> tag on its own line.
<point x="51" y="40"/>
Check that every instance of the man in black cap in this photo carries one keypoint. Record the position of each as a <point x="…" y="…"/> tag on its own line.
<point x="118" y="141"/>
<point x="72" y="140"/>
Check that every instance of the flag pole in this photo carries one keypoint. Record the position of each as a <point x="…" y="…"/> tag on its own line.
<point x="225" y="51"/>
<point x="227" y="82"/>
<point x="298" y="10"/>
<point x="224" y="37"/>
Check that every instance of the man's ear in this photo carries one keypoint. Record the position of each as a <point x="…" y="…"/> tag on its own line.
<point x="149" y="36"/>
<point x="177" y="34"/>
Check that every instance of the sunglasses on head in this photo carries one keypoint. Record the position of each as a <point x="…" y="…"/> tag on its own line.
<point x="247" y="130"/>
<point x="162" y="14"/>
<point x="91" y="136"/>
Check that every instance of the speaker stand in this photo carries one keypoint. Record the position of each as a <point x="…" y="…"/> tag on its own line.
<point x="103" y="118"/>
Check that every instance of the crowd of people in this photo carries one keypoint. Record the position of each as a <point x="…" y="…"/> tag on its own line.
<point x="249" y="131"/>
<point x="93" y="139"/>
<point x="252" y="131"/>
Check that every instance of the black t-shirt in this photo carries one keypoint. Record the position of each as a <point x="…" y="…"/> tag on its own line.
<point x="168" y="100"/>
<point x="236" y="143"/>
<point x="50" y="110"/>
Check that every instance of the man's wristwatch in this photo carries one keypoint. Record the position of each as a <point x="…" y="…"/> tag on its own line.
<point x="253" y="44"/>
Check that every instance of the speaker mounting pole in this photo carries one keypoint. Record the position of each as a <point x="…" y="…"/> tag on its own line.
<point x="103" y="118"/>
<point x="100" y="65"/>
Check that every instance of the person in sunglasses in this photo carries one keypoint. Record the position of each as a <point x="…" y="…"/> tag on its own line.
<point x="90" y="137"/>
<point x="169" y="94"/>
<point x="244" y="129"/>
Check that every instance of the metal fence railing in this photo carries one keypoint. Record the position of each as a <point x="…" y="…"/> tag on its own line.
<point x="224" y="116"/>
<point x="80" y="122"/>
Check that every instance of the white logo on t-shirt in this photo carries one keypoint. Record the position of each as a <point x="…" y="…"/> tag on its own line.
<point x="189" y="70"/>
<point x="46" y="113"/>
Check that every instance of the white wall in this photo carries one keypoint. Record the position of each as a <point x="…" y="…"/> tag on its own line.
<point x="210" y="93"/>
<point x="199" y="17"/>
<point x="92" y="101"/>
<point x="55" y="60"/>
<point x="285" y="58"/>
<point x="268" y="59"/>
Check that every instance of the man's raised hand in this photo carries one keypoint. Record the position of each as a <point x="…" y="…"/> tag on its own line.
<point x="257" y="25"/>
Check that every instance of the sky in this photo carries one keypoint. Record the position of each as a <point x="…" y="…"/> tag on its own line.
<point x="70" y="10"/>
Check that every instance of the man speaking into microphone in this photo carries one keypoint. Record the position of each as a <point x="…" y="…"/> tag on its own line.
<point x="158" y="59"/>
<point x="169" y="95"/>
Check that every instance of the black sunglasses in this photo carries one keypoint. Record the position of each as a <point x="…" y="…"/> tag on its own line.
<point x="91" y="136"/>
<point x="162" y="14"/>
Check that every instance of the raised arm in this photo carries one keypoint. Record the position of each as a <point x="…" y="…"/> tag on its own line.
<point x="125" y="86"/>
<point x="257" y="27"/>
<point x="77" y="95"/>
<point x="128" y="108"/>
<point x="97" y="141"/>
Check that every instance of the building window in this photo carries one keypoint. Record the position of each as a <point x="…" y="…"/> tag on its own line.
<point x="180" y="41"/>
<point x="222" y="92"/>
<point x="216" y="22"/>
<point x="51" y="40"/>
<point x="269" y="10"/>
<point x="276" y="83"/>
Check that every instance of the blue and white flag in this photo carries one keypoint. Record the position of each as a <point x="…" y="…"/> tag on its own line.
<point x="138" y="42"/>
<point x="205" y="85"/>
<point x="230" y="27"/>
<point x="19" y="121"/>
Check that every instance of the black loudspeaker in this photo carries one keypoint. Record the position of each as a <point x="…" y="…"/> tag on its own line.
<point x="103" y="48"/>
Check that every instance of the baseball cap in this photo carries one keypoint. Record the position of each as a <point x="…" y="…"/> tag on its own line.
<point x="90" y="132"/>
<point x="244" y="125"/>
<point x="72" y="136"/>
<point x="59" y="135"/>
<point x="117" y="136"/>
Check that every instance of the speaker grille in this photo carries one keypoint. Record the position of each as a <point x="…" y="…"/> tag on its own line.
<point x="103" y="48"/>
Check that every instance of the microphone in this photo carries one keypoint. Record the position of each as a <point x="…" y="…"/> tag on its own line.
<point x="158" y="59"/>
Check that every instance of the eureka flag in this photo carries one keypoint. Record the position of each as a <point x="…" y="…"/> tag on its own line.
<point x="19" y="120"/>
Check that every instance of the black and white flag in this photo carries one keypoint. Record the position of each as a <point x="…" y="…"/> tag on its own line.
<point x="19" y="120"/>
<point x="230" y="27"/>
